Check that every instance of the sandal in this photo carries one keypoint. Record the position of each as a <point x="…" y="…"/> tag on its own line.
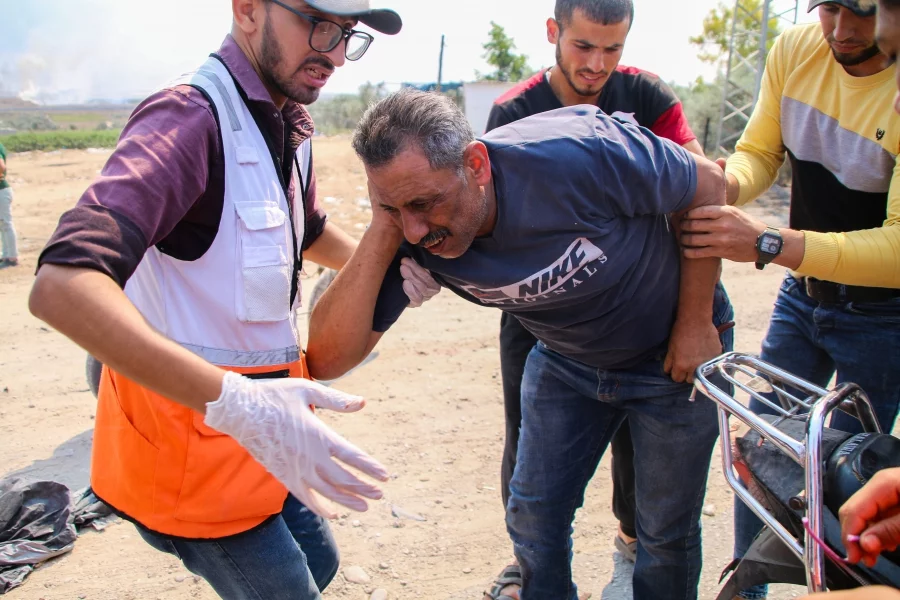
<point x="510" y="575"/>
<point x="628" y="549"/>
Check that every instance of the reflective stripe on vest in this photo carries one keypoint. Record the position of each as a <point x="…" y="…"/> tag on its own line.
<point x="238" y="359"/>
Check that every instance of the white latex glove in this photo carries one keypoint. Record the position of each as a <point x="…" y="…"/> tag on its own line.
<point x="418" y="283"/>
<point x="273" y="421"/>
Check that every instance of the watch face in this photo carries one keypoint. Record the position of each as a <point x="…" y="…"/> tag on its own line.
<point x="770" y="244"/>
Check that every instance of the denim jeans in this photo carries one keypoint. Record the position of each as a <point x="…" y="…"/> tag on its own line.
<point x="570" y="411"/>
<point x="8" y="247"/>
<point x="861" y="342"/>
<point x="516" y="343"/>
<point x="292" y="556"/>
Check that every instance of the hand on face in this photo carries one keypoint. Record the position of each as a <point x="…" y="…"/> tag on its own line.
<point x="382" y="220"/>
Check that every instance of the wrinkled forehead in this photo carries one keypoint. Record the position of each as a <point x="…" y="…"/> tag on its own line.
<point x="407" y="178"/>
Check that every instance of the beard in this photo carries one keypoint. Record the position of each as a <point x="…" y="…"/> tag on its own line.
<point x="475" y="217"/>
<point x="472" y="214"/>
<point x="851" y="59"/>
<point x="271" y="59"/>
<point x="570" y="77"/>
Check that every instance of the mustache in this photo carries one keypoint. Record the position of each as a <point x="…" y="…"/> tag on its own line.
<point x="589" y="72"/>
<point x="434" y="236"/>
<point x="850" y="42"/>
<point x="318" y="61"/>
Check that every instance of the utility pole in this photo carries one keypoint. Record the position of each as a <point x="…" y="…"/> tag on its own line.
<point x="743" y="77"/>
<point x="440" y="65"/>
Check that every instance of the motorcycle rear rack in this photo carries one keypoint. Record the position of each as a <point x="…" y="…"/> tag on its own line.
<point x="754" y="377"/>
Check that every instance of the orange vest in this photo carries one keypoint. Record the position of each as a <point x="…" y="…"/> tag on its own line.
<point x="156" y="462"/>
<point x="153" y="459"/>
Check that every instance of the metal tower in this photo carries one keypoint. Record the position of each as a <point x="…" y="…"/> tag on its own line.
<point x="748" y="45"/>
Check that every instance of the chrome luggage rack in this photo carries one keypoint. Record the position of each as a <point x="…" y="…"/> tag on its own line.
<point x="754" y="377"/>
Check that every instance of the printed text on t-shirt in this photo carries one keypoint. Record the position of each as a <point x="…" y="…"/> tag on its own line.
<point x="569" y="271"/>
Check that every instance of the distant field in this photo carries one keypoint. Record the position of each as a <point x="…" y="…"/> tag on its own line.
<point x="57" y="140"/>
<point x="58" y="118"/>
<point x="90" y="120"/>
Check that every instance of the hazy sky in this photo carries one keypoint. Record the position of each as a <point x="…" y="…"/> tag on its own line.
<point x="65" y="51"/>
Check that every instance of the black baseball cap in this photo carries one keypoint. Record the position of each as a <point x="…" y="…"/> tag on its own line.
<point x="383" y="20"/>
<point x="863" y="8"/>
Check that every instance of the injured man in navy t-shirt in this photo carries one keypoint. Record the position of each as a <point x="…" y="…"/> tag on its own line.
<point x="582" y="252"/>
<point x="568" y="220"/>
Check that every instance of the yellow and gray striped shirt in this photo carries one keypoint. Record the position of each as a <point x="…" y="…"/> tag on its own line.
<point x="842" y="137"/>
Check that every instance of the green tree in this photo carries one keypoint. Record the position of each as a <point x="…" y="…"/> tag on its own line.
<point x="717" y="29"/>
<point x="340" y="113"/>
<point x="702" y="102"/>
<point x="370" y="93"/>
<point x="499" y="53"/>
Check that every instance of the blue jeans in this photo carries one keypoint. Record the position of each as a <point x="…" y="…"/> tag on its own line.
<point x="291" y="556"/>
<point x="861" y="342"/>
<point x="570" y="411"/>
<point x="7" y="231"/>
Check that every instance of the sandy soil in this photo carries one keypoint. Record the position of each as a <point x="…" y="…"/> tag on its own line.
<point x="434" y="415"/>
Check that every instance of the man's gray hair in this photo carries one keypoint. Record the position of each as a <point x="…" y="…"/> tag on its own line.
<point x="430" y="121"/>
<point x="605" y="12"/>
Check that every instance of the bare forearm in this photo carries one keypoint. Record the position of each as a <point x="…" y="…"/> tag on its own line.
<point x="697" y="289"/>
<point x="90" y="309"/>
<point x="340" y="329"/>
<point x="699" y="277"/>
<point x="694" y="338"/>
<point x="332" y="249"/>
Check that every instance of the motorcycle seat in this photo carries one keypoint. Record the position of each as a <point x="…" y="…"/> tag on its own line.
<point x="850" y="462"/>
<point x="853" y="463"/>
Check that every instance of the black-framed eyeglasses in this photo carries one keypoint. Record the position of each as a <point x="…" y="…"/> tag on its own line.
<point x="325" y="35"/>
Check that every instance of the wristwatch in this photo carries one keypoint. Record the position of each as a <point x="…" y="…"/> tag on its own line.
<point x="768" y="245"/>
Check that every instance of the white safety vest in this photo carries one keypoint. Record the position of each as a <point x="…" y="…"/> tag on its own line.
<point x="232" y="306"/>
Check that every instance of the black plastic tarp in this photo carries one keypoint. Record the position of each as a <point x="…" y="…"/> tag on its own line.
<point x="39" y="521"/>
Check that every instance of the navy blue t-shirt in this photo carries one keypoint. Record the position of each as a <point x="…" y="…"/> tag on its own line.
<point x="582" y="253"/>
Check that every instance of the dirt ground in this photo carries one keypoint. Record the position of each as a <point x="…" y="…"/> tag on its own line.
<point x="434" y="416"/>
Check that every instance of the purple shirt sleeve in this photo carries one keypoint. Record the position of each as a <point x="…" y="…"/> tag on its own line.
<point x="315" y="215"/>
<point x="156" y="174"/>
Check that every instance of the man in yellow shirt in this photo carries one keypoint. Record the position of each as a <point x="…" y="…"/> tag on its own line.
<point x="825" y="103"/>
<point x="872" y="510"/>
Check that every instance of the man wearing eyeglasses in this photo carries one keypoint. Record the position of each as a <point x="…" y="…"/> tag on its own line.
<point x="205" y="437"/>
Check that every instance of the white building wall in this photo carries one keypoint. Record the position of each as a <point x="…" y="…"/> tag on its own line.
<point x="478" y="98"/>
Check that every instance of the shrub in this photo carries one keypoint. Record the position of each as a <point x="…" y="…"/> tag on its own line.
<point x="44" y="141"/>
